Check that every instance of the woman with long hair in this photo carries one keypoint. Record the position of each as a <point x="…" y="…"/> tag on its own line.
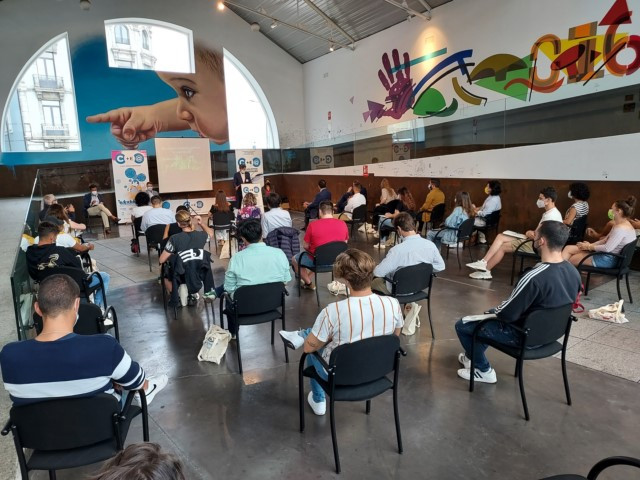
<point x="463" y="210"/>
<point x="57" y="211"/>
<point x="249" y="208"/>
<point x="223" y="214"/>
<point x="404" y="203"/>
<point x="387" y="195"/>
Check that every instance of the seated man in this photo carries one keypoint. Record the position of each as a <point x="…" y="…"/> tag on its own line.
<point x="276" y="217"/>
<point x="157" y="215"/>
<point x="311" y="208"/>
<point x="363" y="315"/>
<point x="94" y="206"/>
<point x="60" y="364"/>
<point x="413" y="250"/>
<point x="326" y="229"/>
<point x="342" y="203"/>
<point x="255" y="265"/>
<point x="552" y="283"/>
<point x="508" y="244"/>
<point x="355" y="200"/>
<point x="49" y="200"/>
<point x="46" y="254"/>
<point x="434" y="197"/>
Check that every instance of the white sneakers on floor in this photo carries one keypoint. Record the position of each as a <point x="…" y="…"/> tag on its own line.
<point x="155" y="385"/>
<point x="319" y="408"/>
<point x="291" y="339"/>
<point x="480" y="275"/>
<point x="380" y="245"/>
<point x="479" y="265"/>
<point x="183" y="293"/>
<point x="337" y="288"/>
<point x="464" y="360"/>
<point x="483" y="377"/>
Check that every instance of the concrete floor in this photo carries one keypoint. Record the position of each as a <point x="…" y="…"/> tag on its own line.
<point x="224" y="425"/>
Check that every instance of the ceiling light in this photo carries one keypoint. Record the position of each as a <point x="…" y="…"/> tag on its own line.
<point x="331" y="48"/>
<point x="85" y="4"/>
<point x="220" y="5"/>
<point x="273" y="25"/>
<point x="255" y="27"/>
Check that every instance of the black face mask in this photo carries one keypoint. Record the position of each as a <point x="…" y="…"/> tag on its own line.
<point x="538" y="244"/>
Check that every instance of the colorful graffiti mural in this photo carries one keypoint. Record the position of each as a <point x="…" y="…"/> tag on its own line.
<point x="582" y="56"/>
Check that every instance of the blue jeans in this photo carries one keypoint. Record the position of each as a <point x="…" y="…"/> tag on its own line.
<point x="604" y="260"/>
<point x="307" y="260"/>
<point x="493" y="330"/>
<point x="387" y="223"/>
<point x="98" y="294"/>
<point x="318" y="392"/>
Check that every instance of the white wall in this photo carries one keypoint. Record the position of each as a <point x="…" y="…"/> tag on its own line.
<point x="25" y="25"/>
<point x="604" y="159"/>
<point x="487" y="26"/>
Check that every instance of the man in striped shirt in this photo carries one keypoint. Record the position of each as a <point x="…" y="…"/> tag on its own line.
<point x="552" y="283"/>
<point x="58" y="363"/>
<point x="362" y="315"/>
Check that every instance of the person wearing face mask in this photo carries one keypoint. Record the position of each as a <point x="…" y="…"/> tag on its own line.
<point x="434" y="197"/>
<point x="508" y="244"/>
<point x="620" y="235"/>
<point x="61" y="364"/>
<point x="150" y="191"/>
<point x="552" y="283"/>
<point x="579" y="192"/>
<point x="491" y="204"/>
<point x="94" y="206"/>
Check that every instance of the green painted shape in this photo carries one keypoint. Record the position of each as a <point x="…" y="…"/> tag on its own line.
<point x="517" y="91"/>
<point x="450" y="110"/>
<point x="429" y="102"/>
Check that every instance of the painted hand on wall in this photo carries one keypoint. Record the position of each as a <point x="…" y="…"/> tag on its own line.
<point x="399" y="86"/>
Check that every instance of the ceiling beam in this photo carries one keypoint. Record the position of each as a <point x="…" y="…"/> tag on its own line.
<point x="317" y="9"/>
<point x="294" y="27"/>
<point x="427" y="6"/>
<point x="410" y="11"/>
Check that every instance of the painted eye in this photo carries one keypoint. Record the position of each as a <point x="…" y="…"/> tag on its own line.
<point x="188" y="93"/>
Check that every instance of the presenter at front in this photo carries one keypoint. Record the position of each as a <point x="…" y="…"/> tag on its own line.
<point x="239" y="178"/>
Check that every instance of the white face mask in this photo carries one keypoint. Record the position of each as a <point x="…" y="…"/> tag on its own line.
<point x="540" y="203"/>
<point x="569" y="195"/>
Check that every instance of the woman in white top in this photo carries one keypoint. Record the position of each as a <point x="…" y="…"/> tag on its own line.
<point x="579" y="192"/>
<point x="68" y="226"/>
<point x="621" y="234"/>
<point x="387" y="194"/>
<point x="491" y="204"/>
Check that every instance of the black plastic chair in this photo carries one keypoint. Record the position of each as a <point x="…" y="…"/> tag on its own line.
<point x="578" y="230"/>
<point x="137" y="233"/>
<point x="221" y="222"/>
<point x="598" y="468"/>
<point x="72" y="432"/>
<point x="90" y="321"/>
<point x="82" y="278"/>
<point x="624" y="262"/>
<point x="252" y="305"/>
<point x="325" y="256"/>
<point x="522" y="255"/>
<point x="154" y="236"/>
<point x="436" y="218"/>
<point x="356" y="372"/>
<point x="540" y="333"/>
<point x="491" y="223"/>
<point x="91" y="221"/>
<point x="463" y="235"/>
<point x="358" y="217"/>
<point x="412" y="284"/>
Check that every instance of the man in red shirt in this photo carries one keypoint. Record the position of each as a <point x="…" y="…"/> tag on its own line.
<point x="324" y="230"/>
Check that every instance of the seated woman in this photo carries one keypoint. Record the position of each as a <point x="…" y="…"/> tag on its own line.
<point x="143" y="201"/>
<point x="65" y="239"/>
<point x="222" y="206"/>
<point x="387" y="194"/>
<point x="266" y="190"/>
<point x="462" y="211"/>
<point x="249" y="208"/>
<point x="491" y="204"/>
<point x="404" y="203"/>
<point x="69" y="226"/>
<point x="173" y="228"/>
<point x="620" y="235"/>
<point x="579" y="192"/>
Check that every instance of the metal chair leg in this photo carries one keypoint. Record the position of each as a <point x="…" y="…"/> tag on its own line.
<point x="334" y="439"/>
<point x="273" y="327"/>
<point x="522" y="394"/>
<point x="149" y="257"/>
<point x="396" y="416"/>
<point x="618" y="288"/>
<point x="52" y="475"/>
<point x="238" y="348"/>
<point x="565" y="378"/>
<point x="317" y="287"/>
<point x="368" y="407"/>
<point x="433" y="335"/>
<point x="301" y="392"/>
<point x="458" y="254"/>
<point x="629" y="289"/>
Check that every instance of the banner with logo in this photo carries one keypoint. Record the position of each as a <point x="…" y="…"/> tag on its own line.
<point x="130" y="176"/>
<point x="253" y="160"/>
<point x="321" y="158"/>
<point x="256" y="189"/>
<point x="401" y="151"/>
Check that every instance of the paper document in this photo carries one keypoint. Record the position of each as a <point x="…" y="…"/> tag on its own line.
<point x="477" y="318"/>
<point x="514" y="234"/>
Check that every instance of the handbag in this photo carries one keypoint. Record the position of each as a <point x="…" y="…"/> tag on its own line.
<point x="411" y="320"/>
<point x="578" y="307"/>
<point x="609" y="313"/>
<point x="214" y="344"/>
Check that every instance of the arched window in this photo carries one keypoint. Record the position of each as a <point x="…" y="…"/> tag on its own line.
<point x="251" y="120"/>
<point x="145" y="40"/>
<point x="122" y="35"/>
<point x="40" y="114"/>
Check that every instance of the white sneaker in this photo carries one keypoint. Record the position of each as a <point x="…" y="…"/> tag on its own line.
<point x="483" y="377"/>
<point x="380" y="245"/>
<point x="482" y="238"/>
<point x="319" y="408"/>
<point x="291" y="339"/>
<point x="480" y="275"/>
<point x="479" y="265"/>
<point x="337" y="288"/>
<point x="376" y="234"/>
<point x="108" y="322"/>
<point x="363" y="228"/>
<point x="464" y="360"/>
<point x="155" y="385"/>
<point x="183" y="293"/>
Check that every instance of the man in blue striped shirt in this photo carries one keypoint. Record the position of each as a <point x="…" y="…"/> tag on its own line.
<point x="58" y="363"/>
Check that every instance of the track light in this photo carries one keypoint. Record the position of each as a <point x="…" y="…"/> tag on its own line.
<point x="331" y="47"/>
<point x="273" y="25"/>
<point x="85" y="4"/>
<point x="220" y="5"/>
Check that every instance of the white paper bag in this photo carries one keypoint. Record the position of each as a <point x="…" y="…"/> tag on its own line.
<point x="214" y="345"/>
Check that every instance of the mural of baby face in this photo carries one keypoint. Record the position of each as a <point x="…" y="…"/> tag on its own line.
<point x="202" y="100"/>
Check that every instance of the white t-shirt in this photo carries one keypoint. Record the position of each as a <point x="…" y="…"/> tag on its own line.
<point x="140" y="211"/>
<point x="62" y="240"/>
<point x="552" y="215"/>
<point x="157" y="216"/>
<point x="356" y="318"/>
